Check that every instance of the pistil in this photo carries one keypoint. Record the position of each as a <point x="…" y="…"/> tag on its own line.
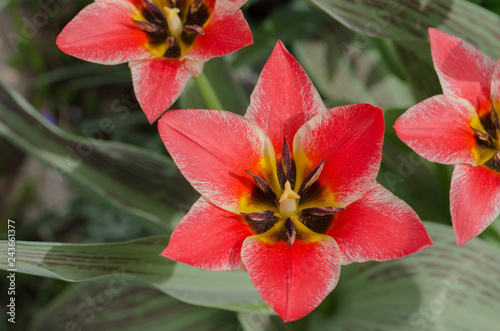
<point x="288" y="205"/>
<point x="173" y="21"/>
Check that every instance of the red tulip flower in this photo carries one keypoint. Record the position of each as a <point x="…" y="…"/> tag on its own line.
<point x="288" y="191"/>
<point x="461" y="127"/>
<point x="165" y="41"/>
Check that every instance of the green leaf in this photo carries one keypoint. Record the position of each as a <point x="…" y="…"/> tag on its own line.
<point x="291" y="22"/>
<point x="107" y="306"/>
<point x="344" y="74"/>
<point x="138" y="261"/>
<point x="444" y="287"/>
<point x="132" y="179"/>
<point x="409" y="20"/>
<point x="424" y="185"/>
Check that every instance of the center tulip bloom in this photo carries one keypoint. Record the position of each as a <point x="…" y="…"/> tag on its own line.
<point x="288" y="191"/>
<point x="165" y="41"/>
<point x="461" y="127"/>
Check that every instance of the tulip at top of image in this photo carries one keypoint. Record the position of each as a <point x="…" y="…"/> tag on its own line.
<point x="165" y="42"/>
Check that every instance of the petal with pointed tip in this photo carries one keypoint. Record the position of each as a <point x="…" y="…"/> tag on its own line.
<point x="438" y="129"/>
<point x="104" y="32"/>
<point x="474" y="200"/>
<point x="495" y="88"/>
<point x="349" y="138"/>
<point x="295" y="279"/>
<point x="159" y="82"/>
<point x="197" y="239"/>
<point x="213" y="148"/>
<point x="226" y="31"/>
<point x="284" y="98"/>
<point x="238" y="3"/>
<point x="379" y="227"/>
<point x="463" y="70"/>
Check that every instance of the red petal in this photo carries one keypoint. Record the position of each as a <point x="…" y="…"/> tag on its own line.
<point x="474" y="200"/>
<point x="349" y="139"/>
<point x="463" y="70"/>
<point x="380" y="227"/>
<point x="226" y="31"/>
<point x="495" y="88"/>
<point x="238" y="3"/>
<point x="103" y="32"/>
<point x="284" y="98"/>
<point x="295" y="279"/>
<point x="208" y="237"/>
<point x="213" y="148"/>
<point x="159" y="82"/>
<point x="438" y="129"/>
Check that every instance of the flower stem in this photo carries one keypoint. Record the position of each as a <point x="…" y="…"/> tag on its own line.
<point x="207" y="92"/>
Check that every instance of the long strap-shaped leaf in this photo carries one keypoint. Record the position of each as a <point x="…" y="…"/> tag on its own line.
<point x="409" y="20"/>
<point x="132" y="179"/>
<point x="101" y="307"/>
<point x="131" y="261"/>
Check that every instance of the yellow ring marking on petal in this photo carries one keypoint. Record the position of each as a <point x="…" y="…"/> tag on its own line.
<point x="481" y="154"/>
<point x="304" y="166"/>
<point x="277" y="233"/>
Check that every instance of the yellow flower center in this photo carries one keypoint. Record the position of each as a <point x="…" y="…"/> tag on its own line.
<point x="277" y="212"/>
<point x="172" y="26"/>
<point x="486" y="131"/>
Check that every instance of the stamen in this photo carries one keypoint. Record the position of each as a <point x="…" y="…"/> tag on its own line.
<point x="149" y="27"/>
<point x="174" y="21"/>
<point x="260" y="216"/>
<point x="497" y="156"/>
<point x="194" y="29"/>
<point x="286" y="160"/>
<point x="263" y="185"/>
<point x="311" y="178"/>
<point x="321" y="211"/>
<point x="287" y="201"/>
<point x="155" y="11"/>
<point x="484" y="137"/>
<point x="195" y="5"/>
<point x="290" y="232"/>
<point x="495" y="119"/>
<point x="170" y="41"/>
